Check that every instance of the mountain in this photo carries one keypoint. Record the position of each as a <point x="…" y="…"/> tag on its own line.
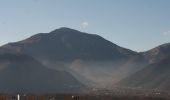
<point x="66" y="44"/>
<point x="158" y="53"/>
<point x="69" y="60"/>
<point x="154" y="76"/>
<point x="22" y="73"/>
<point x="90" y="58"/>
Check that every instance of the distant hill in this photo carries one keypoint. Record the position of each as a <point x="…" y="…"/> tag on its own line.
<point x="156" y="74"/>
<point x="158" y="53"/>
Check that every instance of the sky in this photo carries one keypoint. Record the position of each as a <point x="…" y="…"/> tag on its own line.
<point x="138" y="25"/>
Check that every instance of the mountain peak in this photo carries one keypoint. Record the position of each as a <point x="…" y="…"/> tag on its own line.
<point x="64" y="29"/>
<point x="69" y="44"/>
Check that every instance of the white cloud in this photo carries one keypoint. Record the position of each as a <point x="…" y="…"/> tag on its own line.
<point x="84" y="24"/>
<point x="167" y="33"/>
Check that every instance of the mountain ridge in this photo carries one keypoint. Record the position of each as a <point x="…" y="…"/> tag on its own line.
<point x="68" y="38"/>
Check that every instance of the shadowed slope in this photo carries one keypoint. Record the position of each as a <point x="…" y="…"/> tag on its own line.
<point x="154" y="76"/>
<point x="21" y="73"/>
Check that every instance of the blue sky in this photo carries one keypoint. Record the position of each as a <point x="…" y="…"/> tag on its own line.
<point x="135" y="24"/>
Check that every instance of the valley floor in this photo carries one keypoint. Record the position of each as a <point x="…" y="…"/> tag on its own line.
<point x="81" y="97"/>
